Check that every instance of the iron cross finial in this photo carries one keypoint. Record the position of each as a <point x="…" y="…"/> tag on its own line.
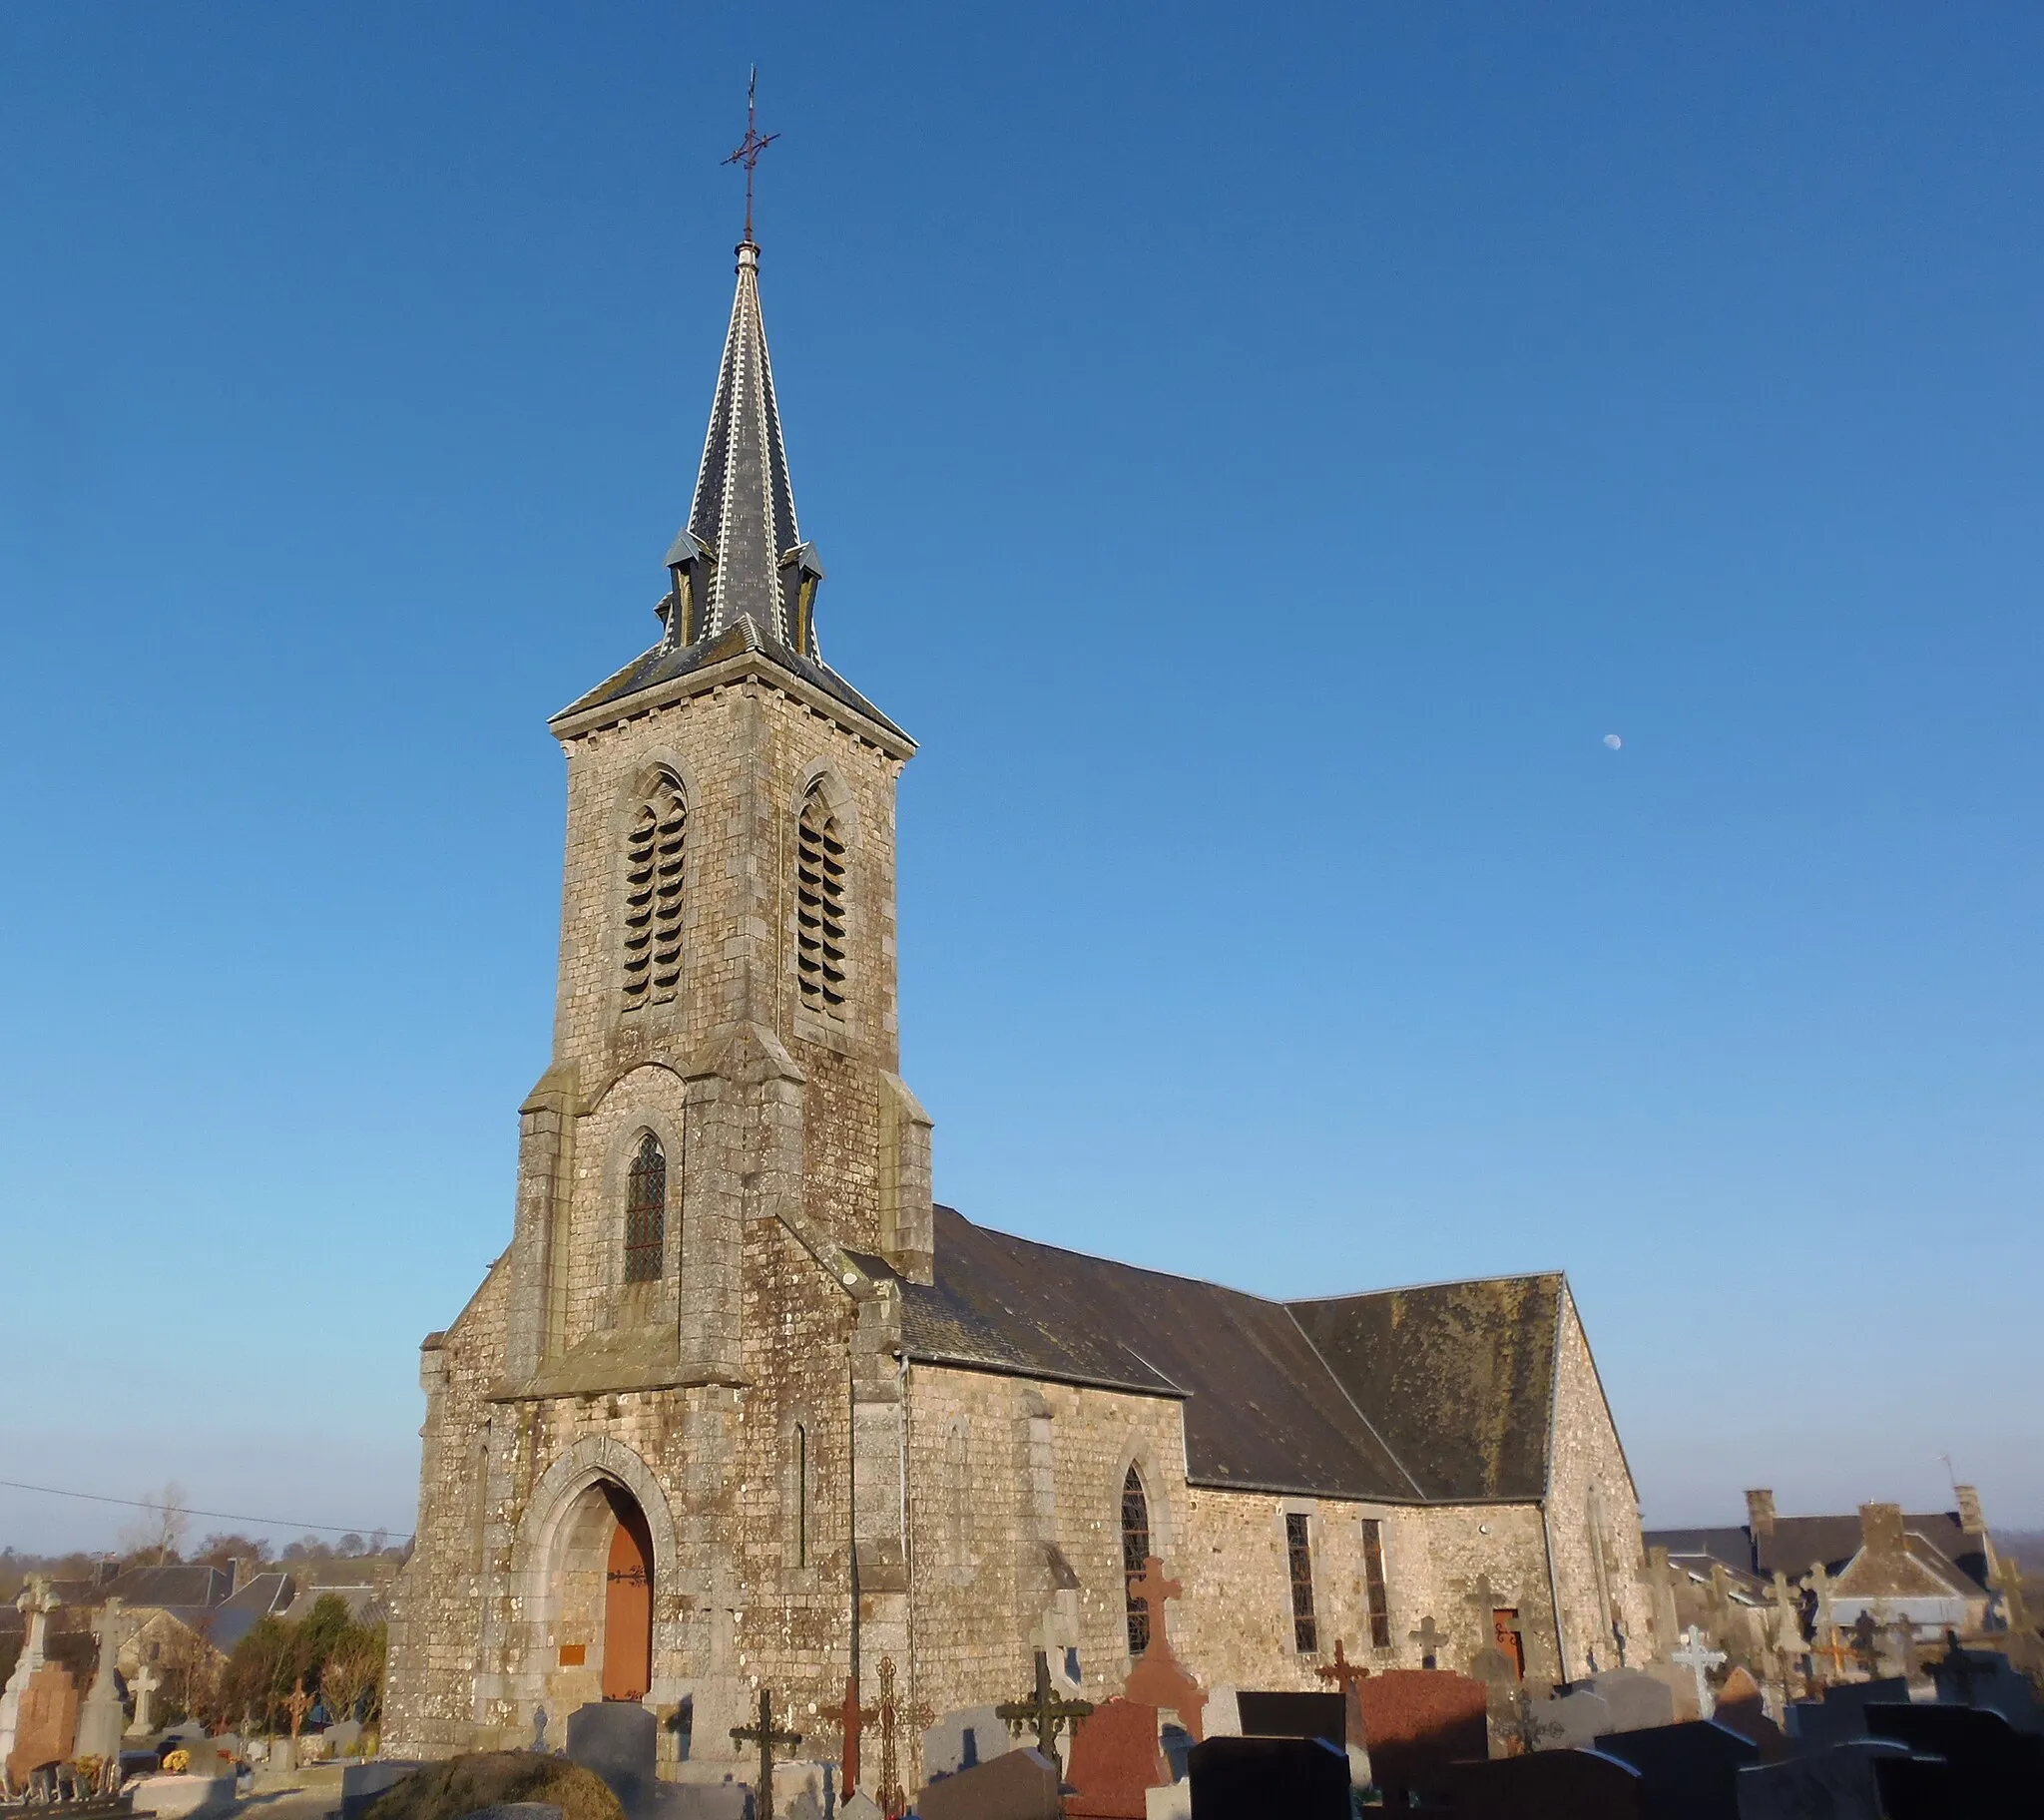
<point x="748" y="152"/>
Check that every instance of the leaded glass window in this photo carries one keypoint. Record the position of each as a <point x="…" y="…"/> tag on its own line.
<point x="646" y="1211"/>
<point x="1305" y="1630"/>
<point x="1135" y="1551"/>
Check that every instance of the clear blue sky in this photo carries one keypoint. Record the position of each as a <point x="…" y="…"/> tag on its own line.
<point x="1261" y="452"/>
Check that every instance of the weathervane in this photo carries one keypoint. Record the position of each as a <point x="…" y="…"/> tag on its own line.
<point x="748" y="153"/>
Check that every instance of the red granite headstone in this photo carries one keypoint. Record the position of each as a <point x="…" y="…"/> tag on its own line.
<point x="1115" y="1761"/>
<point x="1420" y="1720"/>
<point x="48" y="1723"/>
<point x="1740" y="1708"/>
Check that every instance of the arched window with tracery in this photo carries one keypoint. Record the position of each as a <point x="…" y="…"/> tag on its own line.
<point x="654" y="850"/>
<point x="1135" y="1553"/>
<point x="819" y="905"/>
<point x="646" y="1211"/>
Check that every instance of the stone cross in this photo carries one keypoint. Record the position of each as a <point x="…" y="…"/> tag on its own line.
<point x="1152" y="1589"/>
<point x="2007" y="1579"/>
<point x="1788" y="1618"/>
<point x="145" y="1683"/>
<point x="1697" y="1655"/>
<point x="298" y="1706"/>
<point x="1043" y="1710"/>
<point x="1429" y="1639"/>
<point x="764" y="1735"/>
<point x="854" y="1719"/>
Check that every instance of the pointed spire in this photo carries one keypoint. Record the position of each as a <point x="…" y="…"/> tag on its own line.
<point x="742" y="552"/>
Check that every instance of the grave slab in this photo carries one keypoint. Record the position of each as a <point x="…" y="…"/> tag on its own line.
<point x="46" y="1723"/>
<point x="1549" y="1785"/>
<point x="1836" y="1784"/>
<point x="964" y="1739"/>
<point x="1574" y="1722"/>
<point x="1017" y="1786"/>
<point x="1638" y="1701"/>
<point x="172" y="1797"/>
<point x="1420" y="1720"/>
<point x="618" y="1741"/>
<point x="1251" y="1778"/>
<point x="1115" y="1760"/>
<point x="1688" y="1772"/>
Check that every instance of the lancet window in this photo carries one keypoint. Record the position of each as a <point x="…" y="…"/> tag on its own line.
<point x="646" y="1211"/>
<point x="1135" y="1553"/>
<point x="820" y="906"/>
<point x="654" y="851"/>
<point x="1305" y="1629"/>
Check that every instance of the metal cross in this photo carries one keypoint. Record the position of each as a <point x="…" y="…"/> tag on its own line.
<point x="1696" y="1654"/>
<point x="1429" y="1639"/>
<point x="854" y="1719"/>
<point x="1045" y="1711"/>
<point x="765" y="1737"/>
<point x="748" y="152"/>
<point x="892" y="1797"/>
<point x="1345" y="1676"/>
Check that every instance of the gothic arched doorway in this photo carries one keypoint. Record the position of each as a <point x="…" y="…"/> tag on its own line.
<point x="628" y="1602"/>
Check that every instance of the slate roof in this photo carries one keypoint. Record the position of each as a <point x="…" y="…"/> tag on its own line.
<point x="173" y="1588"/>
<point x="261" y="1595"/>
<point x="1439" y="1394"/>
<point x="666" y="661"/>
<point x="1799" y="1544"/>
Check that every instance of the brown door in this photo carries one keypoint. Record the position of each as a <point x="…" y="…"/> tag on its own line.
<point x="1504" y="1626"/>
<point x="627" y="1607"/>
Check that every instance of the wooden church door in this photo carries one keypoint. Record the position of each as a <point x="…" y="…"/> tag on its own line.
<point x="628" y="1608"/>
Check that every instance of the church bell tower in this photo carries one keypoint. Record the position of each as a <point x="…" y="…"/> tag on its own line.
<point x="725" y="1037"/>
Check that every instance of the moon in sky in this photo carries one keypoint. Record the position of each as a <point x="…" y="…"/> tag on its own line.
<point x="1613" y="740"/>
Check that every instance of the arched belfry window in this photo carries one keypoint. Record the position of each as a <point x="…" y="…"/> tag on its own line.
<point x="652" y="895"/>
<point x="819" y="905"/>
<point x="646" y="1211"/>
<point x="1135" y="1553"/>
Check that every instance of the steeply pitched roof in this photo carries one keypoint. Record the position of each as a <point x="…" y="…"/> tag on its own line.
<point x="1797" y="1545"/>
<point x="175" y="1589"/>
<point x="1303" y="1397"/>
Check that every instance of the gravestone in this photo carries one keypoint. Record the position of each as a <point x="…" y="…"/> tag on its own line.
<point x="1574" y="1722"/>
<point x="1842" y="1714"/>
<point x="1987" y="1680"/>
<point x="1687" y="1772"/>
<point x="1223" y="1715"/>
<point x="100" y="1720"/>
<point x="1840" y="1784"/>
<point x="346" y="1738"/>
<point x="1696" y="1655"/>
<point x="859" y="1806"/>
<point x="1115" y="1758"/>
<point x="1160" y="1679"/>
<point x="964" y="1740"/>
<point x="617" y="1741"/>
<point x="1636" y="1700"/>
<point x="1420" y="1720"/>
<point x="46" y="1723"/>
<point x="172" y="1797"/>
<point x="1251" y="1778"/>
<point x="1742" y="1709"/>
<point x="1016" y="1785"/>
<point x="1551" y="1785"/>
<point x="1963" y="1761"/>
<point x="1294" y="1715"/>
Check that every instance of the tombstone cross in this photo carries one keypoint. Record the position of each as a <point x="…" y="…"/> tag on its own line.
<point x="1152" y="1589"/>
<point x="1697" y="1655"/>
<point x="2007" y="1579"/>
<point x="765" y="1737"/>
<point x="1345" y="1676"/>
<point x="1429" y="1639"/>
<point x="146" y="1682"/>
<point x="854" y="1719"/>
<point x="892" y="1797"/>
<point x="298" y="1706"/>
<point x="1043" y="1710"/>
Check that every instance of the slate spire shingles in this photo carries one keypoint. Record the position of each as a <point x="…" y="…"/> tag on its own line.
<point x="742" y="552"/>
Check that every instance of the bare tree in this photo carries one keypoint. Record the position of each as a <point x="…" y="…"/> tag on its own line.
<point x="161" y="1525"/>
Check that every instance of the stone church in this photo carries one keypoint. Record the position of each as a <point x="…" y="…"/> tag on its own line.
<point x="738" y="1407"/>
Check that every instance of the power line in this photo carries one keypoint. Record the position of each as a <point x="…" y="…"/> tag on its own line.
<point x="144" y="1504"/>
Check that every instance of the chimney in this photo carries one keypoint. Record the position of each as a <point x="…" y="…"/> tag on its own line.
<point x="1971" y="1520"/>
<point x="1880" y="1528"/>
<point x="109" y="1569"/>
<point x="1760" y="1512"/>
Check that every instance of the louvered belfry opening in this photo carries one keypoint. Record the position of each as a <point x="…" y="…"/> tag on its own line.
<point x="646" y="1212"/>
<point x="653" y="852"/>
<point x="820" y="906"/>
